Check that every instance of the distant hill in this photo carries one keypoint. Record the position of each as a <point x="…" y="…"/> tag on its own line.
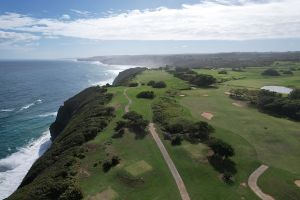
<point x="219" y="60"/>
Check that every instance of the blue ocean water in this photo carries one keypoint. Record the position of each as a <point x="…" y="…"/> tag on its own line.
<point x="30" y="95"/>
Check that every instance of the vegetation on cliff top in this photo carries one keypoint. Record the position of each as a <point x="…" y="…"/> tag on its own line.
<point x="53" y="176"/>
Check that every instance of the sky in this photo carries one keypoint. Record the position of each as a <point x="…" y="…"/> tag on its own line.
<point x="43" y="29"/>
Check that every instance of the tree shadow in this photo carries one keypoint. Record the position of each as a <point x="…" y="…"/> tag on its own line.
<point x="222" y="165"/>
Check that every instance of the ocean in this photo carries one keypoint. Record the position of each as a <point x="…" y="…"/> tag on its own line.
<point x="30" y="95"/>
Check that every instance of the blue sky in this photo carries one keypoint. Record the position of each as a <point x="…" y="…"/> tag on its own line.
<point x="68" y="29"/>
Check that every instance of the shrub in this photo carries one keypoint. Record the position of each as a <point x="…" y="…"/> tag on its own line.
<point x="151" y="83"/>
<point x="176" y="140"/>
<point x="270" y="72"/>
<point x="133" y="84"/>
<point x="159" y="84"/>
<point x="146" y="95"/>
<point x="203" y="80"/>
<point x="223" y="72"/>
<point x="221" y="148"/>
<point x="287" y="72"/>
<point x="295" y="94"/>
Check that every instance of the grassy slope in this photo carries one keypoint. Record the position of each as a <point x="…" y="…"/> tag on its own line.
<point x="256" y="137"/>
<point x="266" y="139"/>
<point x="158" y="183"/>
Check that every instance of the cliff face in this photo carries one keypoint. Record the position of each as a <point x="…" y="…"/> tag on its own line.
<point x="125" y="76"/>
<point x="80" y="119"/>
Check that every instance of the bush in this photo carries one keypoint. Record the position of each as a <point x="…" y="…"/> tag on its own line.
<point x="221" y="148"/>
<point x="146" y="95"/>
<point x="176" y="140"/>
<point x="203" y="80"/>
<point x="151" y="83"/>
<point x="295" y="94"/>
<point x="287" y="72"/>
<point x="135" y="121"/>
<point x="223" y="72"/>
<point x="159" y="84"/>
<point x="133" y="84"/>
<point x="270" y="72"/>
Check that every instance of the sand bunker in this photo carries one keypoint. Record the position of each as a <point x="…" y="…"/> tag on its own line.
<point x="138" y="168"/>
<point x="108" y="194"/>
<point x="227" y="93"/>
<point x="205" y="95"/>
<point x="297" y="182"/>
<point x="207" y="115"/>
<point x="182" y="95"/>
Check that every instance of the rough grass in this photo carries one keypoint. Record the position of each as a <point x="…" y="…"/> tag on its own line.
<point x="138" y="168"/>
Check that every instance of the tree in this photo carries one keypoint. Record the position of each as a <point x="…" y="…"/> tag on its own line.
<point x="203" y="80"/>
<point x="176" y="140"/>
<point x="135" y="120"/>
<point x="221" y="148"/>
<point x="159" y="84"/>
<point x="223" y="72"/>
<point x="201" y="130"/>
<point x="151" y="83"/>
<point x="146" y="95"/>
<point x="270" y="72"/>
<point x="295" y="94"/>
<point x="133" y="84"/>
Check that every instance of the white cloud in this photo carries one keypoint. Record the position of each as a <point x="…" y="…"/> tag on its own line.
<point x="16" y="37"/>
<point x="83" y="13"/>
<point x="65" y="17"/>
<point x="211" y="20"/>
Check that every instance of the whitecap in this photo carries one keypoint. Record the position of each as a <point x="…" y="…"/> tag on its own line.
<point x="15" y="166"/>
<point x="7" y="110"/>
<point x="31" y="104"/>
<point x="26" y="106"/>
<point x="49" y="114"/>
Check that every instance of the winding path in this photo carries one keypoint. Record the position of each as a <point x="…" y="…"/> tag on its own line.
<point x="129" y="101"/>
<point x="252" y="182"/>
<point x="179" y="182"/>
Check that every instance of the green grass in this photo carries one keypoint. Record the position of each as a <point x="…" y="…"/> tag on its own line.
<point x="256" y="137"/>
<point x="130" y="151"/>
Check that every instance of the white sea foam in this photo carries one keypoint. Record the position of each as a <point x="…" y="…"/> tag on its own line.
<point x="7" y="110"/>
<point x="49" y="114"/>
<point x="31" y="104"/>
<point x="18" y="164"/>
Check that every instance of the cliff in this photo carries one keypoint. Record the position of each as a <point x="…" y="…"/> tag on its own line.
<point x="125" y="76"/>
<point x="80" y="119"/>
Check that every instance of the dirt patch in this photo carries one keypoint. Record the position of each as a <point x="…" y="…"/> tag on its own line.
<point x="239" y="104"/>
<point x="243" y="184"/>
<point x="83" y="173"/>
<point x="138" y="168"/>
<point x="207" y="115"/>
<point x="117" y="105"/>
<point x="108" y="194"/>
<point x="205" y="95"/>
<point x="297" y="182"/>
<point x="91" y="147"/>
<point x="197" y="151"/>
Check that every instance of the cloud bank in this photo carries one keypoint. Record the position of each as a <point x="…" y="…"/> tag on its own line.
<point x="209" y="20"/>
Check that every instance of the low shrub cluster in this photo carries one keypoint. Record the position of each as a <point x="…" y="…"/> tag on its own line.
<point x="271" y="102"/>
<point x="270" y="72"/>
<point x="223" y="72"/>
<point x="159" y="84"/>
<point x="53" y="175"/>
<point x="201" y="80"/>
<point x="133" y="121"/>
<point x="146" y="95"/>
<point x="167" y="113"/>
<point x="133" y="84"/>
<point x="109" y="163"/>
